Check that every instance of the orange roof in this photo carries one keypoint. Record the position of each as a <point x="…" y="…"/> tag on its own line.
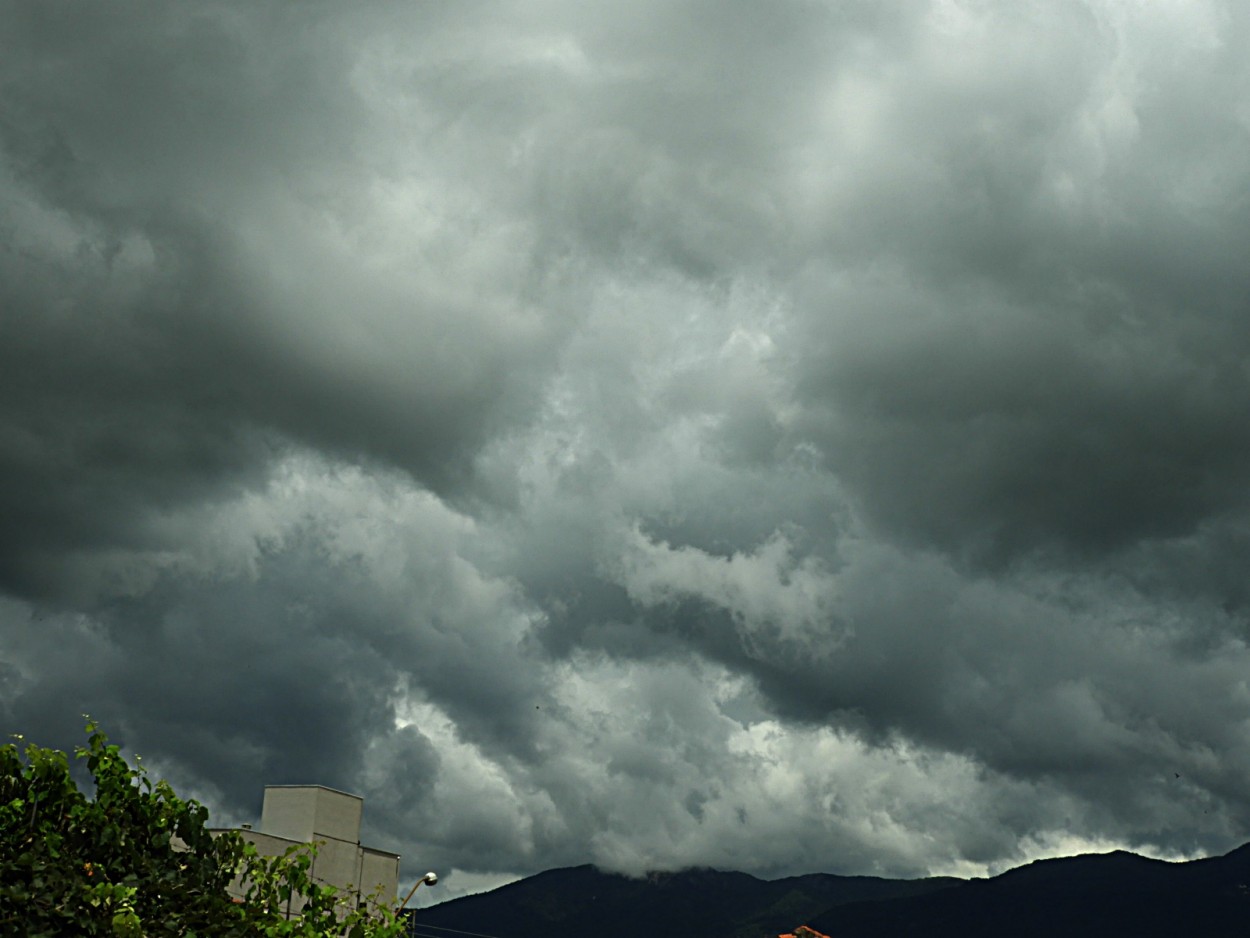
<point x="803" y="932"/>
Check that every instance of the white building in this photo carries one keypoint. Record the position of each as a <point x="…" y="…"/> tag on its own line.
<point x="301" y="814"/>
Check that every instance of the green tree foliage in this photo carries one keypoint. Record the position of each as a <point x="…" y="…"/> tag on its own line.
<point x="137" y="861"/>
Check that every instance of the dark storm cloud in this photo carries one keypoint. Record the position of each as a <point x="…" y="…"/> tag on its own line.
<point x="181" y="279"/>
<point x="1050" y="352"/>
<point x="788" y="437"/>
<point x="987" y="431"/>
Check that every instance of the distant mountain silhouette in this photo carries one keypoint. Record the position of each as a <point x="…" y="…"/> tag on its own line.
<point x="582" y="901"/>
<point x="1090" y="896"/>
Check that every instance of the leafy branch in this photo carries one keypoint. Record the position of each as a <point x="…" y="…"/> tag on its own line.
<point x="137" y="861"/>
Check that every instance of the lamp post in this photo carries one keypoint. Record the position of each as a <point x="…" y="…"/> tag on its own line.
<point x="429" y="879"/>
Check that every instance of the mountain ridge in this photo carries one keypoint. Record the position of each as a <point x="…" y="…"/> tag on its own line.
<point x="1084" y="896"/>
<point x="1110" y="894"/>
<point x="696" y="901"/>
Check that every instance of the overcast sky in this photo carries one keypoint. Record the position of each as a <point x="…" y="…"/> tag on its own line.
<point x="782" y="436"/>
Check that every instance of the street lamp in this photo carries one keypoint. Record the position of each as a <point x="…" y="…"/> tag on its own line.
<point x="429" y="879"/>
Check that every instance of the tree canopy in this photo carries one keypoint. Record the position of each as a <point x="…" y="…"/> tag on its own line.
<point x="136" y="861"/>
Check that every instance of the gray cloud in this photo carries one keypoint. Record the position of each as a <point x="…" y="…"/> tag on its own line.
<point x="795" y="438"/>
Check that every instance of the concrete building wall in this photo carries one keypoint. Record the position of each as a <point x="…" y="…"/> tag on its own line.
<point x="337" y="862"/>
<point x="379" y="871"/>
<point x="310" y="812"/>
<point x="288" y="812"/>
<point x="300" y="814"/>
<point x="269" y="846"/>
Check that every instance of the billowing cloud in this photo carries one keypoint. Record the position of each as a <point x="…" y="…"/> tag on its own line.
<point x="788" y="437"/>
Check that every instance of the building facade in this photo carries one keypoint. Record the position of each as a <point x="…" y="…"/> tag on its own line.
<point x="304" y="814"/>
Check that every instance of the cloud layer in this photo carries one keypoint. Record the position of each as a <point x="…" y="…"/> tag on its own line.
<point x="788" y="437"/>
